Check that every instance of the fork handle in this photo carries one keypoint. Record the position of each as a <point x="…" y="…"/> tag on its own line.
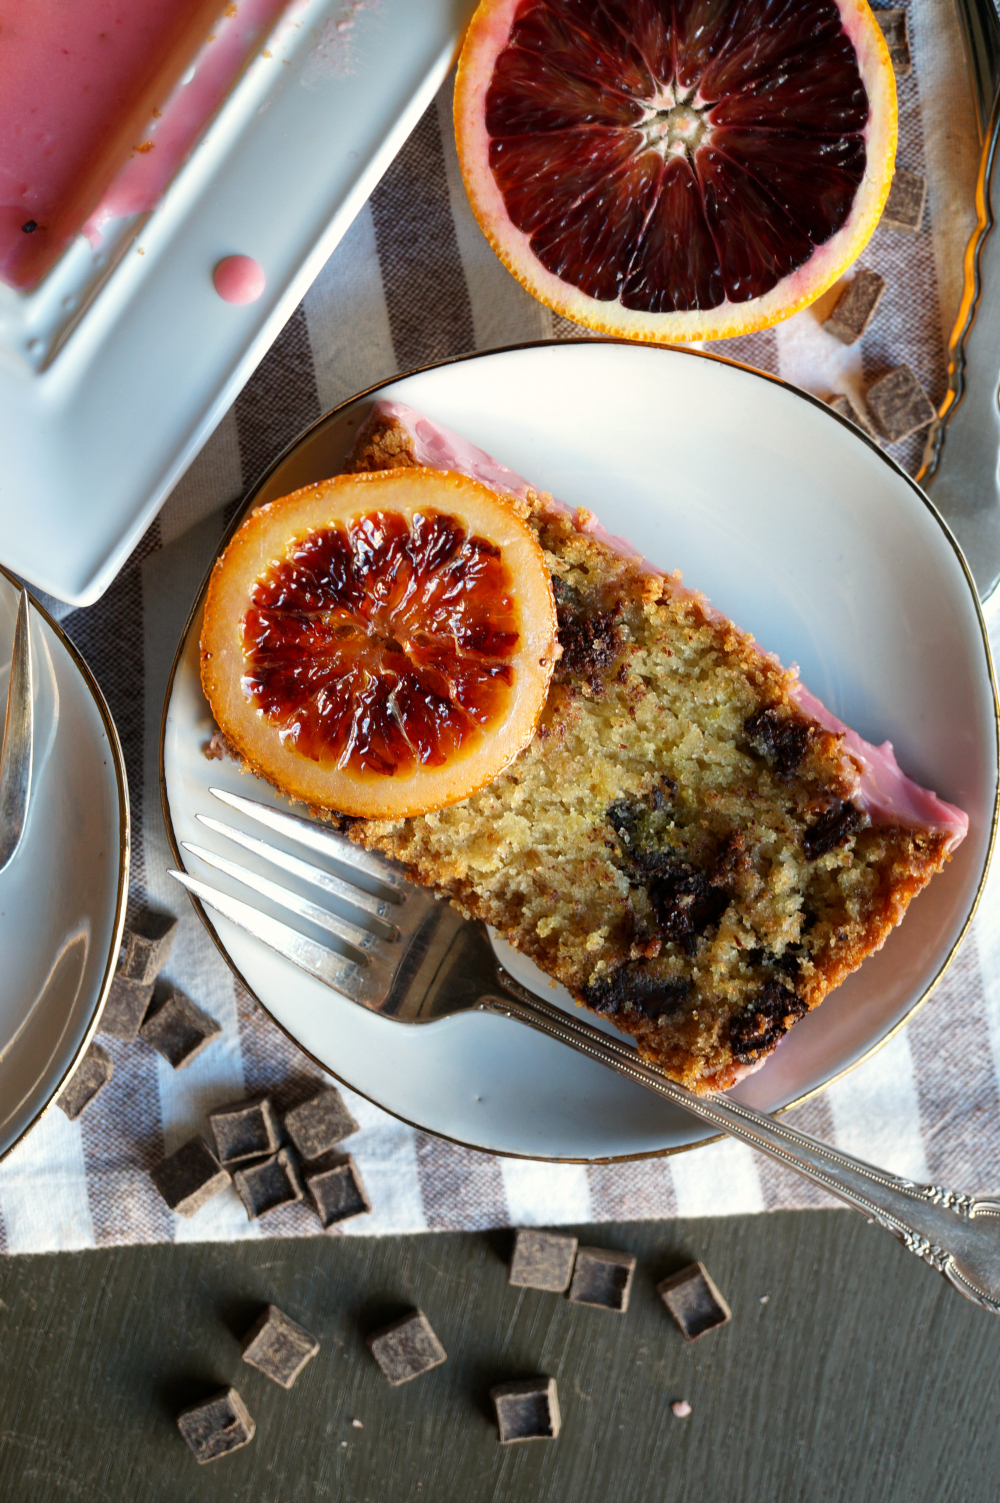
<point x="954" y="1233"/>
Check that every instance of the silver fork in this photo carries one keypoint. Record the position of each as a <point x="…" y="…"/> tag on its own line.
<point x="414" y="959"/>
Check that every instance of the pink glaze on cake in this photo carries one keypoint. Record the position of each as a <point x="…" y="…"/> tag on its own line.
<point x="883" y="791"/>
<point x="239" y="279"/>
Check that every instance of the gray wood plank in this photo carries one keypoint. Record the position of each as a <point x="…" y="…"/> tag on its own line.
<point x="863" y="1376"/>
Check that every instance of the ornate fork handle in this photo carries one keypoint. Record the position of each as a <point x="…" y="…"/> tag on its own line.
<point x="957" y="1235"/>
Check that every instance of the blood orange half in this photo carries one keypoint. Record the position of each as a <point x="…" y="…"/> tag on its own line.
<point x="380" y="645"/>
<point x="676" y="169"/>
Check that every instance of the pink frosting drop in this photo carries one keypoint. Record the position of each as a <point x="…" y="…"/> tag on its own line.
<point x="239" y="279"/>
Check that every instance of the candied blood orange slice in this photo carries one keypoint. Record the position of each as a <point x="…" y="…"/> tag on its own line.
<point x="380" y="645"/>
<point x="676" y="169"/>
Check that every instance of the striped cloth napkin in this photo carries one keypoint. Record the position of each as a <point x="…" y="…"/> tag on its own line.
<point x="412" y="282"/>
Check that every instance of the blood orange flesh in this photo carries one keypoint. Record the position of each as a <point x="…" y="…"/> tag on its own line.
<point x="676" y="168"/>
<point x="380" y="645"/>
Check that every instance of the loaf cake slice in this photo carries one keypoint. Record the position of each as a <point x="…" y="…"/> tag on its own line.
<point x="692" y="844"/>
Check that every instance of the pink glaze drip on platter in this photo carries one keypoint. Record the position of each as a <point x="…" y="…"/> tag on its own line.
<point x="883" y="791"/>
<point x="239" y="279"/>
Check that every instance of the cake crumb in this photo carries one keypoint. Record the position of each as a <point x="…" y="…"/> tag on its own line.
<point x="764" y="1298"/>
<point x="357" y="1424"/>
<point x="681" y="1408"/>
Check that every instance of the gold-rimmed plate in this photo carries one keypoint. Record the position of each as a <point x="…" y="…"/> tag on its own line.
<point x="62" y="897"/>
<point x="802" y="531"/>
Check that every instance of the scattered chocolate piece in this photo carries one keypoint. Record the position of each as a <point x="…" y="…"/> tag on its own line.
<point x="216" y="1426"/>
<point x="29" y="226"/>
<point x="245" y="1130"/>
<point x="319" y="1124"/>
<point x="856" y="307"/>
<point x="145" y="947"/>
<point x="407" y="1348"/>
<point x="681" y="1408"/>
<point x="177" y="1029"/>
<point x="526" y="1410"/>
<point x="904" y="208"/>
<point x="126" y="1006"/>
<point x="694" y="1301"/>
<point x="893" y="25"/>
<point x="602" y="1277"/>
<point x="899" y="404"/>
<point x="278" y="1346"/>
<point x="269" y="1186"/>
<point x="338" y="1191"/>
<point x="190" y="1177"/>
<point x="87" y="1082"/>
<point x="845" y="408"/>
<point x="542" y="1260"/>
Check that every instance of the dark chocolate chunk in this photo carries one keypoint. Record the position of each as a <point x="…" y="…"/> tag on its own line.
<point x="407" y="1348"/>
<point x="87" y="1082"/>
<point x="278" y="1346"/>
<point x="270" y="1185"/>
<point x="654" y="996"/>
<point x="145" y="947"/>
<point x="856" y="307"/>
<point x="904" y="208"/>
<point x="833" y="828"/>
<point x="190" y="1177"/>
<point x="899" y="404"/>
<point x="245" y="1130"/>
<point x="177" y="1029"/>
<point x="319" y="1124"/>
<point x="845" y="408"/>
<point x="338" y="1191"/>
<point x="216" y="1426"/>
<point x="893" y="26"/>
<point x="526" y="1410"/>
<point x="542" y="1260"/>
<point x="126" y="1006"/>
<point x="694" y="1301"/>
<point x="687" y="903"/>
<point x="591" y="643"/>
<point x="757" y="1029"/>
<point x="602" y="1277"/>
<point x="782" y="739"/>
<point x="29" y="226"/>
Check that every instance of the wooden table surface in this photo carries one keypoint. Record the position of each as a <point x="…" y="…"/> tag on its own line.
<point x="849" y="1372"/>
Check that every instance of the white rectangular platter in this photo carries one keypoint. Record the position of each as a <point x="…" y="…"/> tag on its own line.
<point x="93" y="440"/>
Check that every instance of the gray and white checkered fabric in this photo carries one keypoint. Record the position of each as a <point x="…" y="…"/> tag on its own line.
<point x="414" y="281"/>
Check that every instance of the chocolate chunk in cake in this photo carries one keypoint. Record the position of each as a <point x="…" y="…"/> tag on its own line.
<point x="542" y="1260"/>
<point x="527" y="1409"/>
<point x="602" y="1277"/>
<point x="245" y="1130"/>
<point x="832" y="829"/>
<point x="189" y="1178"/>
<point x="177" y="1028"/>
<point x="407" y="1348"/>
<point x="270" y="1185"/>
<point x="319" y="1124"/>
<point x="694" y="1301"/>
<point x="754" y="1032"/>
<point x="278" y="1346"/>
<point x="87" y="1082"/>
<point x="856" y="307"/>
<point x="217" y="1426"/>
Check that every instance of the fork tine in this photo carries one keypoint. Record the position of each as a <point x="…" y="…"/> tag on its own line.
<point x="333" y="970"/>
<point x="361" y="939"/>
<point x="316" y="838"/>
<point x="305" y="870"/>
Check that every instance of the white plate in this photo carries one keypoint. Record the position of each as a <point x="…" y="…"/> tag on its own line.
<point x="99" y="437"/>
<point x="800" y="530"/>
<point x="62" y="898"/>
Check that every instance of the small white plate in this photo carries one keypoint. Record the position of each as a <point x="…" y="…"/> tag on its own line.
<point x="62" y="897"/>
<point x="796" y="527"/>
<point x="99" y="437"/>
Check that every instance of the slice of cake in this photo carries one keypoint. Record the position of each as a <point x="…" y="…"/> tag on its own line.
<point x="692" y="844"/>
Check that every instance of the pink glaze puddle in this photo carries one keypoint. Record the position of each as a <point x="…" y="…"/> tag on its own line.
<point x="82" y="140"/>
<point x="883" y="791"/>
<point x="239" y="279"/>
